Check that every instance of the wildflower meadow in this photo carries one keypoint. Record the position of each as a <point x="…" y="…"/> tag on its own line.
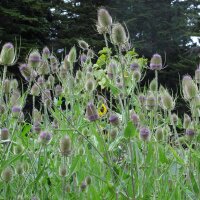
<point x="94" y="132"/>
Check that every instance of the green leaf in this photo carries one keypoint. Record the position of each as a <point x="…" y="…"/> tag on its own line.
<point x="130" y="130"/>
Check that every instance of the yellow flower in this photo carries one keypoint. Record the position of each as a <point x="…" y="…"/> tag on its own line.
<point x="102" y="110"/>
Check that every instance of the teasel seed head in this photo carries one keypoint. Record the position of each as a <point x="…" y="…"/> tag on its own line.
<point x="104" y="18"/>
<point x="45" y="53"/>
<point x="88" y="180"/>
<point x="16" y="111"/>
<point x="118" y="35"/>
<point x="6" y="86"/>
<point x="34" y="59"/>
<point x="159" y="134"/>
<point x="25" y="71"/>
<point x="83" y="186"/>
<point x="190" y="132"/>
<point x="45" y="137"/>
<point x="65" y="146"/>
<point x="186" y="121"/>
<point x="35" y="90"/>
<point x="90" y="85"/>
<point x="83" y="45"/>
<point x="4" y="134"/>
<point x="58" y="90"/>
<point x="113" y="133"/>
<point x="114" y="120"/>
<point x="18" y="149"/>
<point x="137" y="75"/>
<point x="54" y="63"/>
<point x="8" y="54"/>
<point x="144" y="133"/>
<point x="91" y="112"/>
<point x="62" y="171"/>
<point x="167" y="101"/>
<point x="72" y="55"/>
<point x="7" y="174"/>
<point x="156" y="62"/>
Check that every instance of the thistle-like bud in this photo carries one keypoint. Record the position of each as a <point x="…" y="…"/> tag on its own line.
<point x="118" y="34"/>
<point x="16" y="111"/>
<point x="159" y="134"/>
<point x="190" y="132"/>
<point x="144" y="133"/>
<point x="14" y="84"/>
<point x="45" y="137"/>
<point x="190" y="90"/>
<point x="19" y="169"/>
<point x="46" y="97"/>
<point x="65" y="145"/>
<point x="137" y="75"/>
<point x="104" y="18"/>
<point x="37" y="116"/>
<point x="18" y="149"/>
<point x="44" y="68"/>
<point x="90" y="85"/>
<point x="51" y="80"/>
<point x="83" y="45"/>
<point x="4" y="134"/>
<point x="167" y="101"/>
<point x="36" y="127"/>
<point x="135" y="119"/>
<point x="45" y="53"/>
<point x="72" y="55"/>
<point x="83" y="58"/>
<point x="153" y="85"/>
<point x="186" y="121"/>
<point x="35" y="90"/>
<point x="54" y="64"/>
<point x="79" y="74"/>
<point x="142" y="99"/>
<point x="58" y="90"/>
<point x="90" y="54"/>
<point x="114" y="120"/>
<point x="83" y="186"/>
<point x="7" y="56"/>
<point x="7" y="174"/>
<point x="111" y="70"/>
<point x="63" y="72"/>
<point x="34" y="59"/>
<point x="174" y="119"/>
<point x="134" y="66"/>
<point x="151" y="102"/>
<point x="66" y="63"/>
<point x="156" y="62"/>
<point x="113" y="133"/>
<point x="6" y="86"/>
<point x="91" y="112"/>
<point x="25" y="71"/>
<point x="62" y="171"/>
<point x="15" y="97"/>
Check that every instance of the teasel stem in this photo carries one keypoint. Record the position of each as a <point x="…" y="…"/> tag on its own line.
<point x="105" y="39"/>
<point x="33" y="109"/>
<point x="63" y="180"/>
<point x="2" y="83"/>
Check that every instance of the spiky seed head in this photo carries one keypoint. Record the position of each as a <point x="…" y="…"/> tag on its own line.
<point x="156" y="62"/>
<point x="45" y="137"/>
<point x="16" y="111"/>
<point x="153" y="85"/>
<point x="151" y="101"/>
<point x="104" y="18"/>
<point x="186" y="121"/>
<point x="18" y="149"/>
<point x="90" y="85"/>
<point x="134" y="66"/>
<point x="135" y="118"/>
<point x="36" y="127"/>
<point x="83" y="186"/>
<point x="113" y="133"/>
<point x="167" y="101"/>
<point x="62" y="171"/>
<point x="34" y="59"/>
<point x="4" y="134"/>
<point x="7" y="55"/>
<point x="72" y="55"/>
<point x="7" y="86"/>
<point x="174" y="119"/>
<point x="44" y="68"/>
<point x="54" y="63"/>
<point x="118" y="34"/>
<point x="114" y="120"/>
<point x="65" y="145"/>
<point x="45" y="53"/>
<point x="137" y="75"/>
<point x="91" y="112"/>
<point x="159" y="134"/>
<point x="190" y="132"/>
<point x="58" y="90"/>
<point x="144" y="133"/>
<point x="35" y="90"/>
<point x="14" y="84"/>
<point x="7" y="174"/>
<point x="190" y="90"/>
<point x="25" y="71"/>
<point x="90" y="54"/>
<point x="19" y="169"/>
<point x="197" y="75"/>
<point x="83" y="45"/>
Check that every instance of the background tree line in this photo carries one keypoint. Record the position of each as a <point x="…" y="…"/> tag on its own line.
<point x="163" y="26"/>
